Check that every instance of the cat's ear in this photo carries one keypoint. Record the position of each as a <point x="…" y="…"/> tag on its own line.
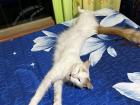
<point x="88" y="84"/>
<point x="80" y="10"/>
<point x="87" y="64"/>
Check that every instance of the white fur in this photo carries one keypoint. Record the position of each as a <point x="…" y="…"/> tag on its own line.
<point x="66" y="55"/>
<point x="58" y="92"/>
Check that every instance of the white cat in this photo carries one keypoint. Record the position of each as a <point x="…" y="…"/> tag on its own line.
<point x="67" y="63"/>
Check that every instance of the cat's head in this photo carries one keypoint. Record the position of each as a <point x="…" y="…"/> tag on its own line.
<point x="80" y="75"/>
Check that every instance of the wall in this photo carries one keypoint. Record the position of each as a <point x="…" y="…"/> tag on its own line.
<point x="67" y="9"/>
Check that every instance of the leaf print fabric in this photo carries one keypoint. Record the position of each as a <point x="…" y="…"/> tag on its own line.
<point x="130" y="89"/>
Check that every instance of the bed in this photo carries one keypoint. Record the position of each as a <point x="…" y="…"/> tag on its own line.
<point x="114" y="71"/>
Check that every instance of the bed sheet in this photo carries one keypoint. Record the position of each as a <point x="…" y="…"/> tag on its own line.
<point x="114" y="71"/>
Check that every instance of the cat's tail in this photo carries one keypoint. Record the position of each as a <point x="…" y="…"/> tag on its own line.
<point x="80" y="10"/>
<point x="43" y="87"/>
<point x="129" y="34"/>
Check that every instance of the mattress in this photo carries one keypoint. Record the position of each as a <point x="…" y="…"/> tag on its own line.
<point x="114" y="71"/>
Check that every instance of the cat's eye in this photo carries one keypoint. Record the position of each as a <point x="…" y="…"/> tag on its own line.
<point x="79" y="80"/>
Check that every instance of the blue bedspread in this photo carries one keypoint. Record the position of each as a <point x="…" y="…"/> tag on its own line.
<point x="25" y="61"/>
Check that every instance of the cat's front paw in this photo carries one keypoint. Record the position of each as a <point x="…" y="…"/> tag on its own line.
<point x="57" y="103"/>
<point x="32" y="103"/>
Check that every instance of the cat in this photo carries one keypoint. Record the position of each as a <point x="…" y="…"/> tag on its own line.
<point x="67" y="65"/>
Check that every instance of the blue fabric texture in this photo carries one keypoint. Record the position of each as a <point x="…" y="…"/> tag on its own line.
<point x="23" y="65"/>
